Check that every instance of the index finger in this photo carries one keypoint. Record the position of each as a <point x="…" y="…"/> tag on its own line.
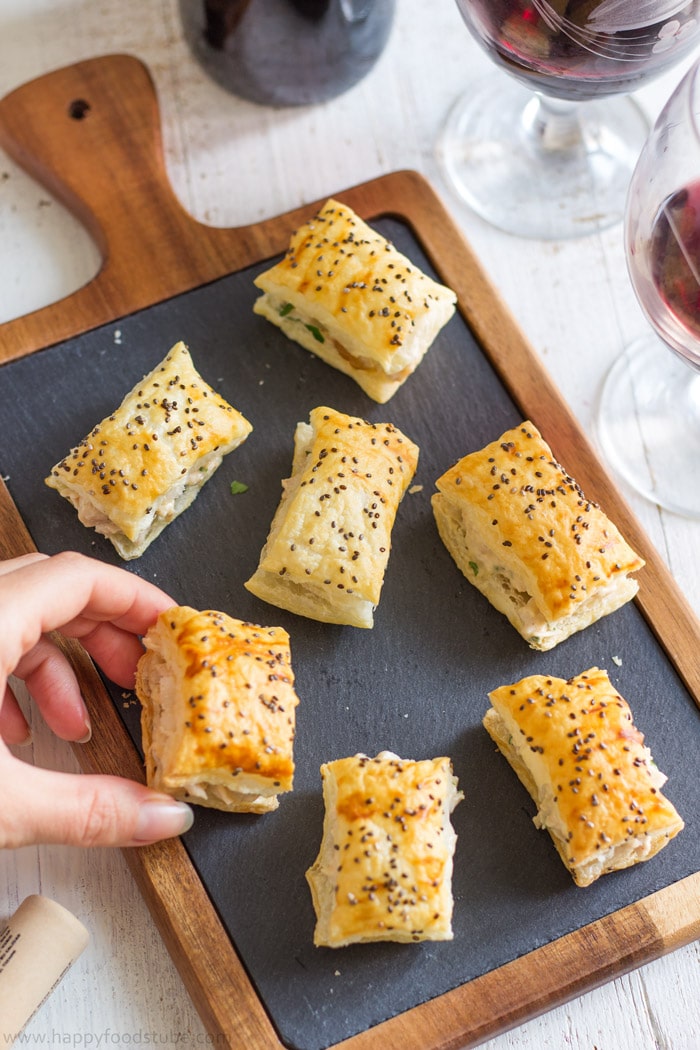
<point x="71" y="593"/>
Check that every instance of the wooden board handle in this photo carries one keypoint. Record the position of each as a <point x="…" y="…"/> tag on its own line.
<point x="90" y="133"/>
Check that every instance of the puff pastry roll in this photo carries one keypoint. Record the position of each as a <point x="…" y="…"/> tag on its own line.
<point x="523" y="533"/>
<point x="141" y="467"/>
<point x="346" y="294"/>
<point x="329" y="542"/>
<point x="384" y="870"/>
<point x="576" y="749"/>
<point x="218" y="713"/>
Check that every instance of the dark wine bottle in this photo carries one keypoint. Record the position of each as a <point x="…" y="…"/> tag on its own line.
<point x="287" y="52"/>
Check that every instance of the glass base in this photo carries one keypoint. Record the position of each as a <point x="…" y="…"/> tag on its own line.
<point x="648" y="425"/>
<point x="539" y="167"/>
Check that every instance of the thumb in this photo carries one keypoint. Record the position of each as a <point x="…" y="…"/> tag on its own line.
<point x="41" y="806"/>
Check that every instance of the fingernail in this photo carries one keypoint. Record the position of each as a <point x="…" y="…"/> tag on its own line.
<point x="88" y="733"/>
<point x="162" y="819"/>
<point x="29" y="739"/>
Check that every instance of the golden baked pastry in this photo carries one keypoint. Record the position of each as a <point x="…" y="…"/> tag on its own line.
<point x="218" y="710"/>
<point x="346" y="294"/>
<point x="141" y="467"/>
<point x="329" y="542"/>
<point x="523" y="533"/>
<point x="384" y="870"/>
<point x="575" y="747"/>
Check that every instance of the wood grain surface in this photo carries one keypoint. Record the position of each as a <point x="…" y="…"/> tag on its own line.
<point x="90" y="133"/>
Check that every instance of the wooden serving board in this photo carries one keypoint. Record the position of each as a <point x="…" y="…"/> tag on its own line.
<point x="90" y="133"/>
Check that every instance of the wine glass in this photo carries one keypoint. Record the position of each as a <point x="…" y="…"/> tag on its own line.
<point x="648" y="417"/>
<point x="548" y="151"/>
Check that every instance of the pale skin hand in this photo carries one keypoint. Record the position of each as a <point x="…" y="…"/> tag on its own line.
<point x="106" y="609"/>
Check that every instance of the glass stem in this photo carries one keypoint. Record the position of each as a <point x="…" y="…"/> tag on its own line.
<point x="552" y="125"/>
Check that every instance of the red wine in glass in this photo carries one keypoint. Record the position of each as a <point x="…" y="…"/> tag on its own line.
<point x="674" y="267"/>
<point x="580" y="49"/>
<point x="548" y="150"/>
<point x="648" y="414"/>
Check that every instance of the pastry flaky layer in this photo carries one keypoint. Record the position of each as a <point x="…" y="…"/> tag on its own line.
<point x="346" y="294"/>
<point x="218" y="710"/>
<point x="329" y="542"/>
<point x="576" y="749"/>
<point x="524" y="534"/>
<point x="144" y="464"/>
<point x="384" y="869"/>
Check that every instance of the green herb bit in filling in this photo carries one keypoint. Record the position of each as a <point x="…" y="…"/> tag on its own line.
<point x="286" y="309"/>
<point x="474" y="567"/>
<point x="316" y="333"/>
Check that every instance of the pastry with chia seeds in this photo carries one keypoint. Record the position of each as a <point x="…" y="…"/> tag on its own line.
<point x="524" y="534"/>
<point x="328" y="546"/>
<point x="575" y="748"/>
<point x="142" y="466"/>
<point x="218" y="710"/>
<point x="384" y="869"/>
<point x="346" y="294"/>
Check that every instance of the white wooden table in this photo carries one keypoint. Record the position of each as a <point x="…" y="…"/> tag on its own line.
<point x="233" y="163"/>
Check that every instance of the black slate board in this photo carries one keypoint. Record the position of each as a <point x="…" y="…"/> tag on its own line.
<point x="416" y="684"/>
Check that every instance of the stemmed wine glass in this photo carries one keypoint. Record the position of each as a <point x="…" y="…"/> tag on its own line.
<point x="648" y="418"/>
<point x="547" y="152"/>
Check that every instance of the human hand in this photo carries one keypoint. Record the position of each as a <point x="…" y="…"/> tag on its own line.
<point x="106" y="609"/>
